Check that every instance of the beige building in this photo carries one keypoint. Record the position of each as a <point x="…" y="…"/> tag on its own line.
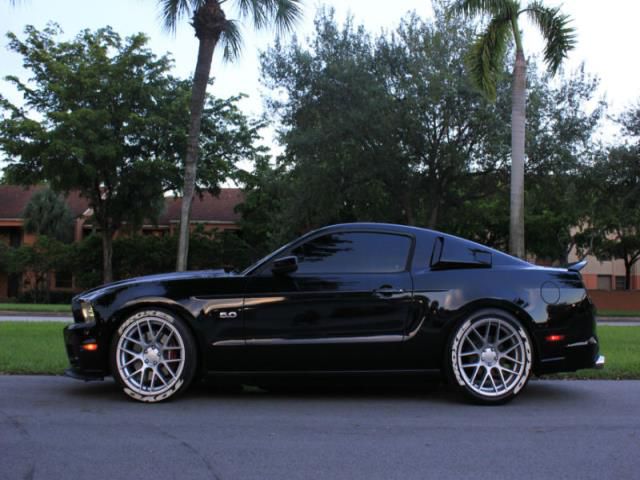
<point x="606" y="275"/>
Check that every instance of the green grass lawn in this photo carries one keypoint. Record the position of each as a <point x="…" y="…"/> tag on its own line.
<point x="35" y="307"/>
<point x="621" y="348"/>
<point x="618" y="313"/>
<point x="32" y="347"/>
<point x="37" y="347"/>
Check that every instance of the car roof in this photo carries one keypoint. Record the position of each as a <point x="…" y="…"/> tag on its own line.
<point x="500" y="257"/>
<point x="381" y="227"/>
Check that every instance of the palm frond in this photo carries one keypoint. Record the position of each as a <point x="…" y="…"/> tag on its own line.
<point x="256" y="9"/>
<point x="287" y="14"/>
<point x="231" y="41"/>
<point x="486" y="58"/>
<point x="471" y="8"/>
<point x="283" y="14"/>
<point x="172" y="11"/>
<point x="559" y="35"/>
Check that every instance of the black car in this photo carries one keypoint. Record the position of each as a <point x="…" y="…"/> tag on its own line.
<point x="355" y="298"/>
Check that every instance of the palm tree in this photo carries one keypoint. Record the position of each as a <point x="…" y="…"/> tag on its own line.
<point x="485" y="66"/>
<point x="48" y="214"/>
<point x="212" y="28"/>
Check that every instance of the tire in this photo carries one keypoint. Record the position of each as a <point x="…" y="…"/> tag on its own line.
<point x="489" y="357"/>
<point x="153" y="356"/>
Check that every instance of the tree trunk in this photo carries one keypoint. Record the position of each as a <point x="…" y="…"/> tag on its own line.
<point x="208" y="22"/>
<point x="433" y="217"/>
<point x="627" y="274"/>
<point x="518" y="119"/>
<point x="47" y="292"/>
<point x="107" y="254"/>
<point x="408" y="208"/>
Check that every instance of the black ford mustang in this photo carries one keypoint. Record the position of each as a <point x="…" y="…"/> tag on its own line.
<point x="353" y="298"/>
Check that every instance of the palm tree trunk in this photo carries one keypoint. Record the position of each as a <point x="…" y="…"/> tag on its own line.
<point x="208" y="21"/>
<point x="518" y="119"/>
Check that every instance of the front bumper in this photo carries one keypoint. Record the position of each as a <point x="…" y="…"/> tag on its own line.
<point x="85" y="364"/>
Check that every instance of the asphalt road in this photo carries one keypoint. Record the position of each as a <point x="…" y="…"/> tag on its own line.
<point x="58" y="428"/>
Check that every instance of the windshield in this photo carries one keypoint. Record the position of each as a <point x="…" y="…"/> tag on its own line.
<point x="251" y="269"/>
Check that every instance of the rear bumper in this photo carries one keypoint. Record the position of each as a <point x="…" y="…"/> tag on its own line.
<point x="576" y="356"/>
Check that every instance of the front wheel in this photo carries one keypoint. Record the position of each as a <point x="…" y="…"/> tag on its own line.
<point x="153" y="356"/>
<point x="489" y="357"/>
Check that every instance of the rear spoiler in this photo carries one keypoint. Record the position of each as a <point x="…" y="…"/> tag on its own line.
<point x="577" y="266"/>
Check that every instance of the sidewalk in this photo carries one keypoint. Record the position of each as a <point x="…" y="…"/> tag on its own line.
<point x="619" y="321"/>
<point x="9" y="316"/>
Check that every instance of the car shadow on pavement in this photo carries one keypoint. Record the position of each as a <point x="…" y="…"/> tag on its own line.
<point x="430" y="391"/>
<point x="554" y="391"/>
<point x="107" y="389"/>
<point x="342" y="389"/>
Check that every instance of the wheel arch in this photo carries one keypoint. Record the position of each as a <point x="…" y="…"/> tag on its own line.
<point x="165" y="305"/>
<point x="511" y="308"/>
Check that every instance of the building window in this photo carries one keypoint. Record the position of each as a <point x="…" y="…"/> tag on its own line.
<point x="64" y="280"/>
<point x="604" y="282"/>
<point x="620" y="283"/>
<point x="11" y="236"/>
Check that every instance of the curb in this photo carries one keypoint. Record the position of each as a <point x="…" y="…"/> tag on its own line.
<point x="619" y="319"/>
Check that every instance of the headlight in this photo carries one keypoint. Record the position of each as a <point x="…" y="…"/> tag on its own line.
<point x="87" y="312"/>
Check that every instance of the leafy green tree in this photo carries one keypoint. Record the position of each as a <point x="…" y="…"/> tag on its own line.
<point x="336" y="127"/>
<point x="38" y="260"/>
<point x="97" y="99"/>
<point x="391" y="129"/>
<point x="263" y="223"/>
<point x="613" y="231"/>
<point x="485" y="67"/>
<point x="445" y="131"/>
<point x="377" y="129"/>
<point x="48" y="214"/>
<point x="629" y="120"/>
<point x="104" y="117"/>
<point x="212" y="26"/>
<point x="137" y="255"/>
<point x="85" y="261"/>
<point x="562" y="121"/>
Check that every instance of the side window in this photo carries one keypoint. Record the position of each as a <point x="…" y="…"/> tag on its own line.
<point x="355" y="252"/>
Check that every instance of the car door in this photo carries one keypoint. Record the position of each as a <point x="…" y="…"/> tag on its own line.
<point x="344" y="308"/>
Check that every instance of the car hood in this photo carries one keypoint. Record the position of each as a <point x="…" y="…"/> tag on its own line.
<point x="161" y="277"/>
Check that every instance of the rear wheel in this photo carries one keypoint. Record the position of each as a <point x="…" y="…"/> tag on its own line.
<point x="490" y="357"/>
<point x="153" y="356"/>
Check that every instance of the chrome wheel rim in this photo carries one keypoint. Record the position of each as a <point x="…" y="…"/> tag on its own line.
<point x="493" y="357"/>
<point x="150" y="355"/>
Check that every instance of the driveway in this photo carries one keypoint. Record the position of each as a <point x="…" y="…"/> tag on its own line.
<point x="58" y="428"/>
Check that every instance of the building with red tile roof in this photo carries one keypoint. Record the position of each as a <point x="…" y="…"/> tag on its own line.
<point x="211" y="211"/>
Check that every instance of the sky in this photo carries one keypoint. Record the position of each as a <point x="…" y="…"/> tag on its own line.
<point x="606" y="39"/>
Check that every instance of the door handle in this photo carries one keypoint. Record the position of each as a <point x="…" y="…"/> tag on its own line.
<point x="387" y="291"/>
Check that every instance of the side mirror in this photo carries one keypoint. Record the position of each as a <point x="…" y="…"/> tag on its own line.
<point x="285" y="265"/>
